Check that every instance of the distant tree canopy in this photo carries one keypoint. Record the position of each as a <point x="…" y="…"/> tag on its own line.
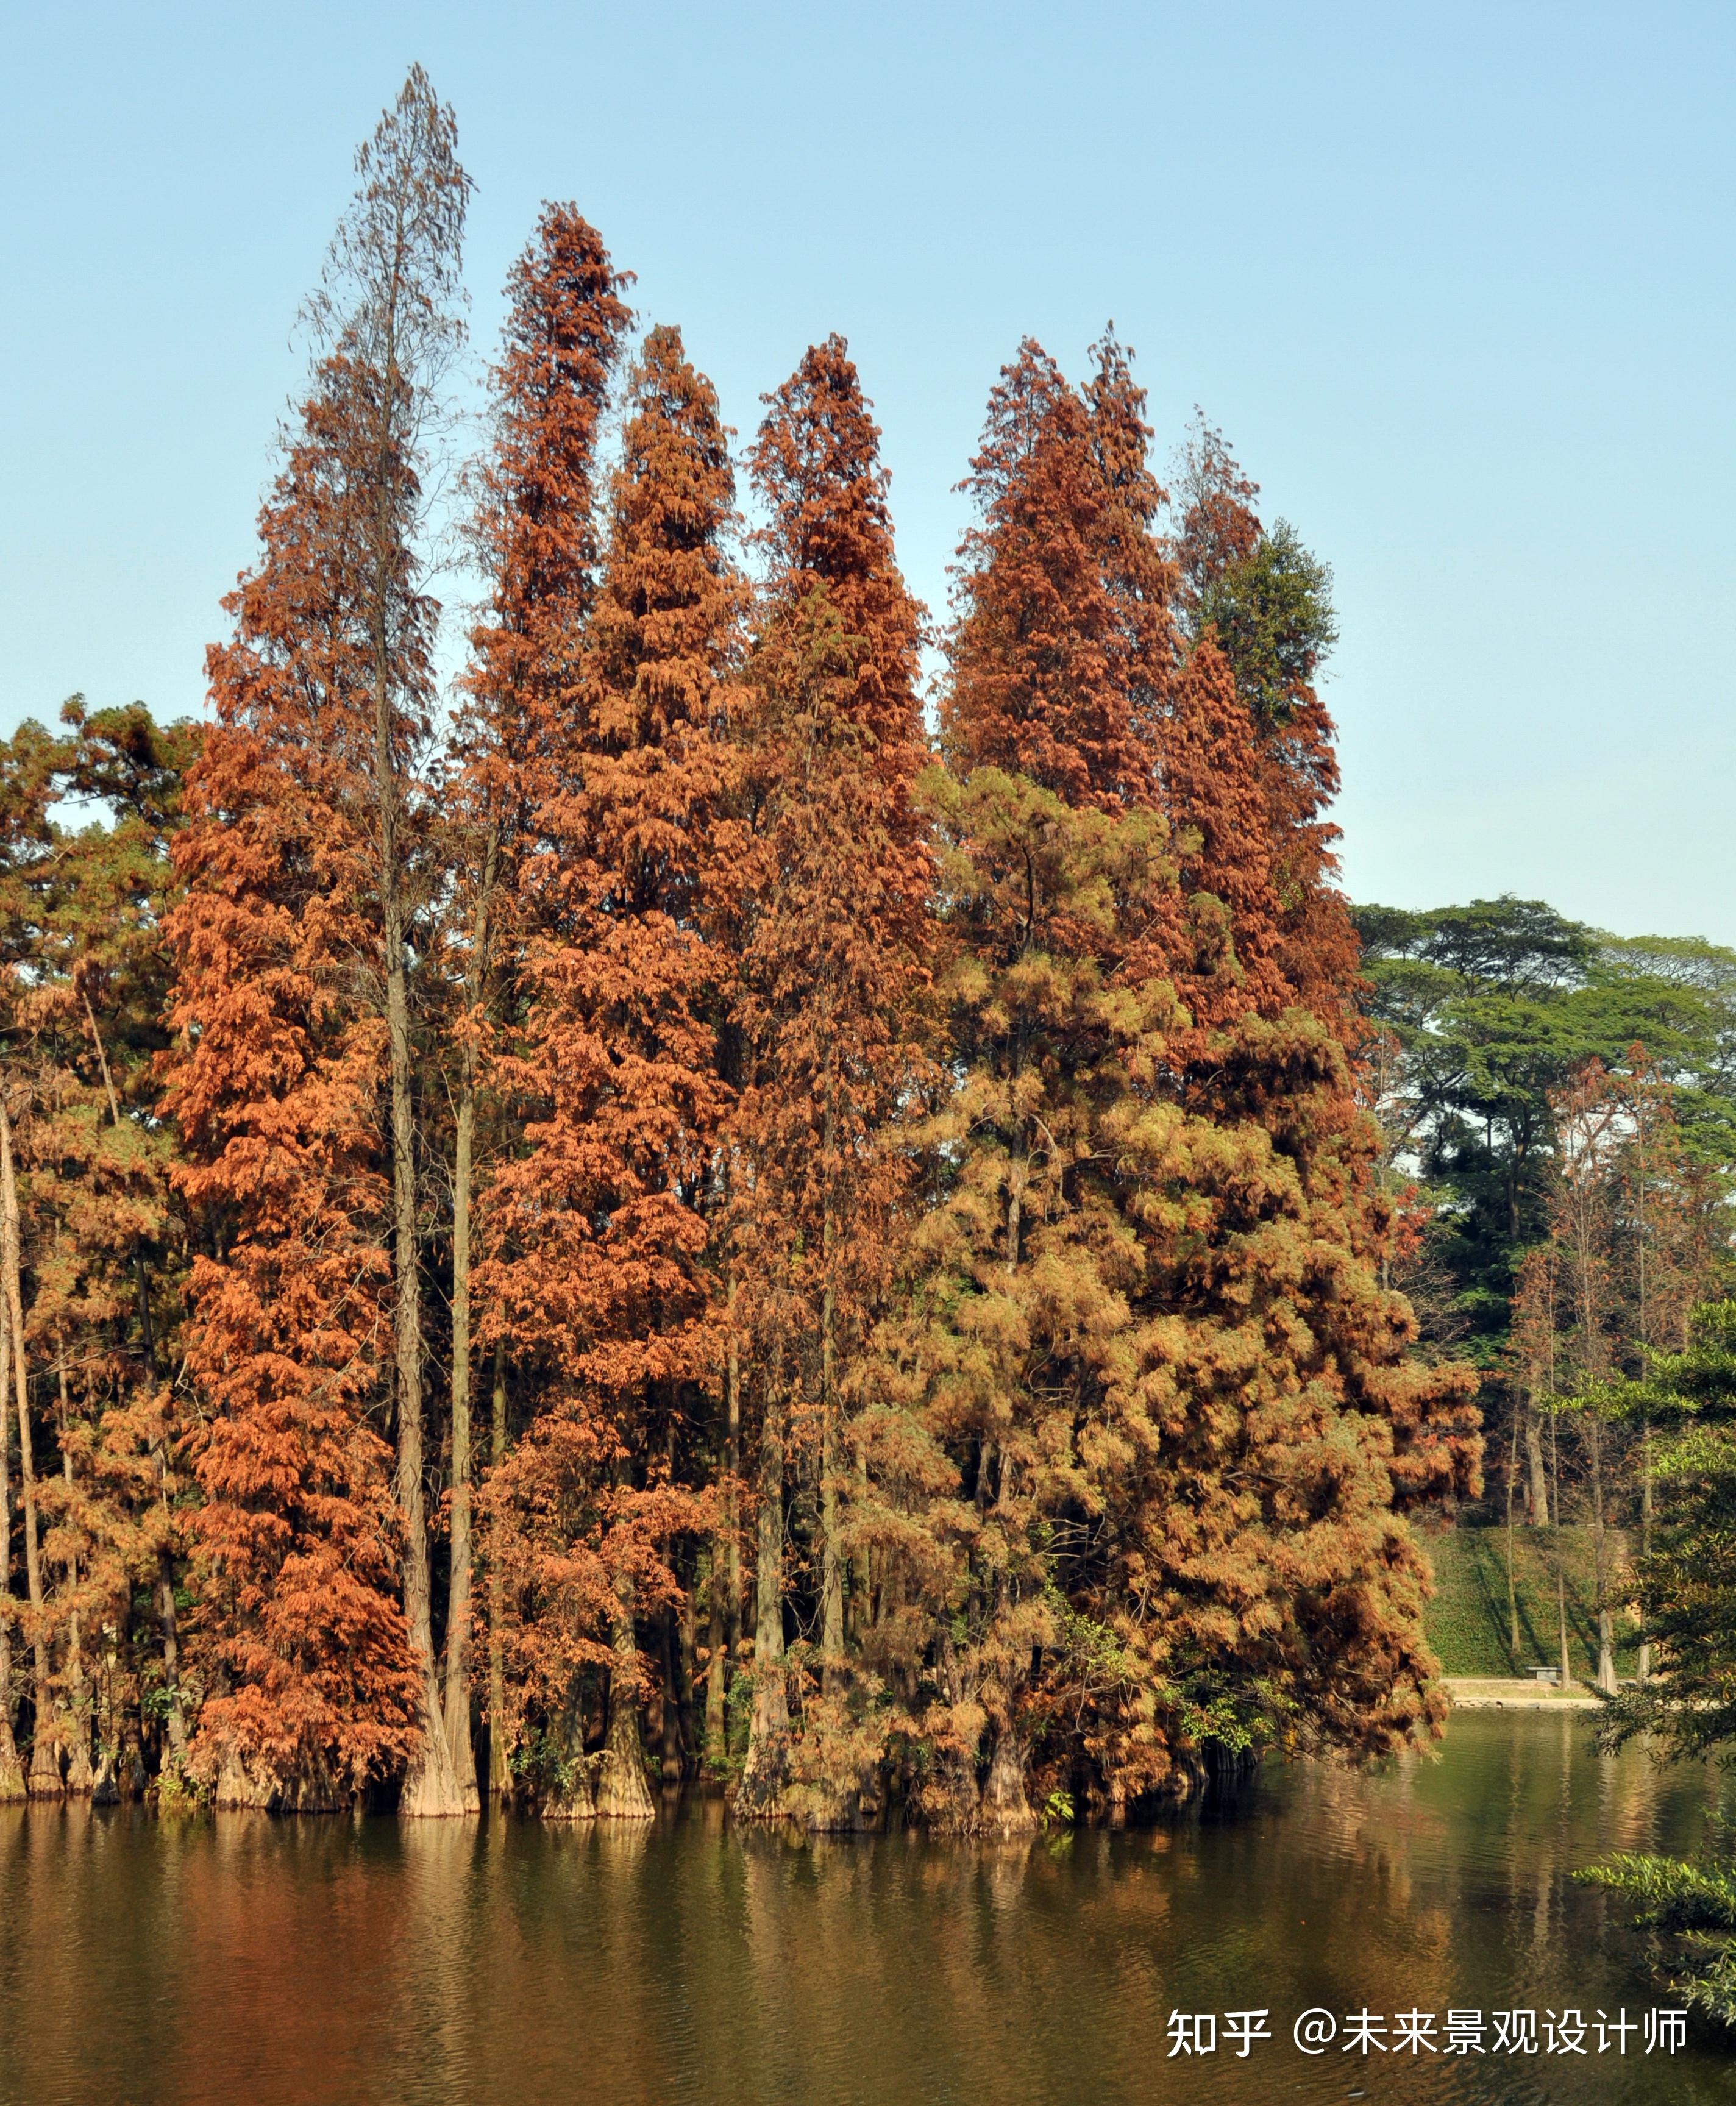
<point x="1558" y="1114"/>
<point x="1494" y="1008"/>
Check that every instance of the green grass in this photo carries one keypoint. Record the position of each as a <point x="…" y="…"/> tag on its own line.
<point x="1467" y="1620"/>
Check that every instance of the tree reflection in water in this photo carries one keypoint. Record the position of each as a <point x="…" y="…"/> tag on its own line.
<point x="191" y="1959"/>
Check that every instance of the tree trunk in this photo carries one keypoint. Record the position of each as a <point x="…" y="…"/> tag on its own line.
<point x="832" y="1561"/>
<point x="500" y="1766"/>
<point x="457" y="1704"/>
<point x="575" y="1798"/>
<point x="1645" y="1526"/>
<point x="1606" y="1653"/>
<point x="1513" y="1599"/>
<point x="432" y="1785"/>
<point x="105" y="1784"/>
<point x="622" y="1792"/>
<point x="1561" y="1555"/>
<point x="768" y="1737"/>
<point x="76" y="1728"/>
<point x="1561" y="1605"/>
<point x="44" y="1753"/>
<point x="11" y="1769"/>
<point x="669" y="1737"/>
<point x="731" y="1515"/>
<point x="168" y="1627"/>
<point x="1003" y="1809"/>
<point x="724" y="1580"/>
<point x="714" y="1688"/>
<point x="1539" y="1476"/>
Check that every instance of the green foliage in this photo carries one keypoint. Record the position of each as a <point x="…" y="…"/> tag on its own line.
<point x="1466" y="1618"/>
<point x="550" y="1763"/>
<point x="1686" y="1583"/>
<point x="1272" y="612"/>
<point x="1092" y="1652"/>
<point x="1495" y="1006"/>
<point x="1687" y="1588"/>
<point x="1691" y="1906"/>
<point x="1238" y="1724"/>
<point x="738" y="1719"/>
<point x="173" y="1791"/>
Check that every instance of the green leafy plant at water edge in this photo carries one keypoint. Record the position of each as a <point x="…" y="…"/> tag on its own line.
<point x="1686" y="1587"/>
<point x="1691" y="1906"/>
<point x="544" y="1760"/>
<point x="173" y="1791"/>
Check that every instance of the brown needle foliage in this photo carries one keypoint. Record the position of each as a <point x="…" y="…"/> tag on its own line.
<point x="599" y="1223"/>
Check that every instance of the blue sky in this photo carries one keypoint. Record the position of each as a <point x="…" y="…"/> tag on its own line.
<point x="1456" y="281"/>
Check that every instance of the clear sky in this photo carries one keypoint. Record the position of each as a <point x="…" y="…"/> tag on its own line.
<point x="1455" y="280"/>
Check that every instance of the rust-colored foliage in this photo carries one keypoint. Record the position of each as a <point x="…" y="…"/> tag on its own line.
<point x="1038" y="685"/>
<point x="275" y="1087"/>
<point x="535" y="523"/>
<point x="1220" y="526"/>
<point x="1218" y="943"/>
<point x="1259" y="596"/>
<point x="835" y="941"/>
<point x="600" y="1279"/>
<point x="536" y="531"/>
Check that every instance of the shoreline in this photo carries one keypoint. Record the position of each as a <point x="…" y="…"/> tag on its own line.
<point x="1469" y="1692"/>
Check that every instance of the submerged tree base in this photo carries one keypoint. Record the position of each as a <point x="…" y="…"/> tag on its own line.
<point x="258" y="1789"/>
<point x="623" y="1792"/>
<point x="573" y="1800"/>
<point x="432" y="1792"/>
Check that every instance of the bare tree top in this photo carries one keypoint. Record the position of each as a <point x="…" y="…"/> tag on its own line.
<point x="391" y="292"/>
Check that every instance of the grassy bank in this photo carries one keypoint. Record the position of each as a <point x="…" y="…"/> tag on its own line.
<point x="1468" y="1621"/>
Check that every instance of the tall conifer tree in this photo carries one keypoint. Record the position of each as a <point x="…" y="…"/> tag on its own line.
<point x="295" y="1006"/>
<point x="276" y="1091"/>
<point x="536" y="535"/>
<point x="601" y="1276"/>
<point x="835" y="964"/>
<point x="1037" y="685"/>
<point x="1149" y="1289"/>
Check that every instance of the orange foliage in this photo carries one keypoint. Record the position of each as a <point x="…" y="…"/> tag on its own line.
<point x="597" y="1229"/>
<point x="275" y="1087"/>
<point x="1037" y="645"/>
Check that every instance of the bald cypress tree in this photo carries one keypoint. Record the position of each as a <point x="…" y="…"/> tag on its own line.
<point x="276" y="1090"/>
<point x="536" y="533"/>
<point x="1146" y="1332"/>
<point x="1268" y="603"/>
<point x="1037" y="684"/>
<point x="306" y="817"/>
<point x="835" y="965"/>
<point x="601" y="1239"/>
<point x="1014" y="1330"/>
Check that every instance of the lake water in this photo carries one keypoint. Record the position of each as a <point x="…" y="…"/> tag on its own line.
<point x="243" y="1960"/>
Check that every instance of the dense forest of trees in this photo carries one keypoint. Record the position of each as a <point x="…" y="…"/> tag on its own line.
<point x="672" y="1214"/>
<point x="1560" y="1109"/>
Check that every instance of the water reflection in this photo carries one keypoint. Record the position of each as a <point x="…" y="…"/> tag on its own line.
<point x="191" y="1960"/>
